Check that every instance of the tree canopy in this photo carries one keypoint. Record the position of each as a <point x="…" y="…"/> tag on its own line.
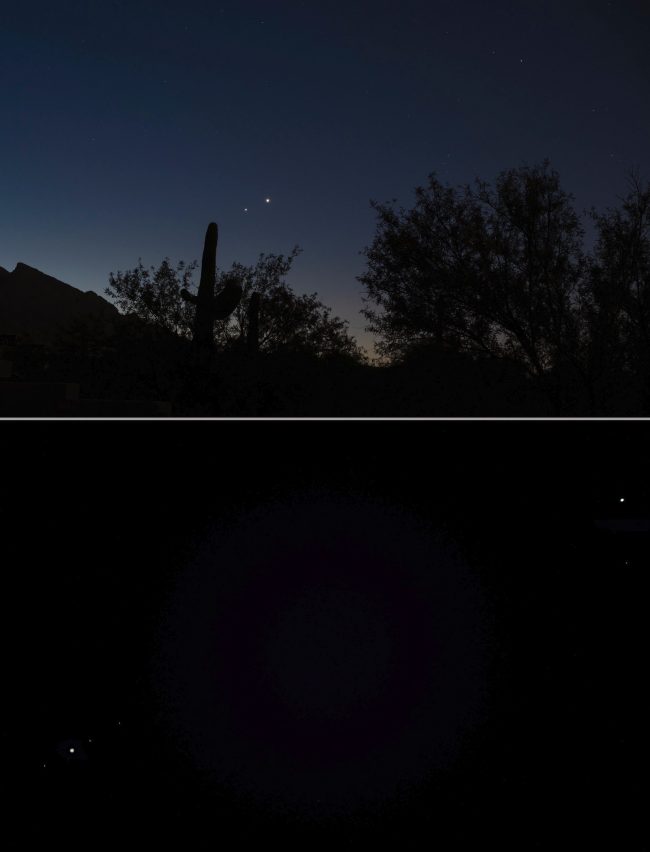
<point x="479" y="269"/>
<point x="616" y="294"/>
<point x="288" y="321"/>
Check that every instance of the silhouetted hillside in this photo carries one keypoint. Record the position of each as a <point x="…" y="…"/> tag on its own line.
<point x="37" y="307"/>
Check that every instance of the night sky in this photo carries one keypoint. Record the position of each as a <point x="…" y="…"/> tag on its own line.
<point x="437" y="645"/>
<point x="127" y="126"/>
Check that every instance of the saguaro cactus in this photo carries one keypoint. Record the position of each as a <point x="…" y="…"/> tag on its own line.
<point x="211" y="307"/>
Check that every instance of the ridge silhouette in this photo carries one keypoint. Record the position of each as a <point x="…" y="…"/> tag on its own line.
<point x="36" y="306"/>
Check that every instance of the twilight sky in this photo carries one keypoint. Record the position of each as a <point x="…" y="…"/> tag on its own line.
<point x="126" y="126"/>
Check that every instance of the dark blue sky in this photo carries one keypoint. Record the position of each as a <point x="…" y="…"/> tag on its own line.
<point x="127" y="125"/>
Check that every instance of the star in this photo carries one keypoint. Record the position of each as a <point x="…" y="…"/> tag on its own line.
<point x="268" y="200"/>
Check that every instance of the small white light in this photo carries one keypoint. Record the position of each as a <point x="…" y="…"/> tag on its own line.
<point x="268" y="200"/>
<point x="71" y="751"/>
<point x="622" y="500"/>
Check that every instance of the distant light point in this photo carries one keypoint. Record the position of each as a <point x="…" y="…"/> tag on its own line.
<point x="71" y="751"/>
<point x="268" y="200"/>
<point x="622" y="500"/>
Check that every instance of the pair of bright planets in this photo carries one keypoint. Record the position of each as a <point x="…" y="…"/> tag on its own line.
<point x="266" y="201"/>
<point x="75" y="747"/>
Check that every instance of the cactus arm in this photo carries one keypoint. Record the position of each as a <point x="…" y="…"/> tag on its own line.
<point x="189" y="297"/>
<point x="226" y="301"/>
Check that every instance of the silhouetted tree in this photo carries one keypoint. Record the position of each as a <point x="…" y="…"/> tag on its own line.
<point x="154" y="295"/>
<point x="616" y="300"/>
<point x="286" y="321"/>
<point x="486" y="270"/>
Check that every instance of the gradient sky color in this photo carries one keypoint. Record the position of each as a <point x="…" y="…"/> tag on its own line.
<point x="127" y="125"/>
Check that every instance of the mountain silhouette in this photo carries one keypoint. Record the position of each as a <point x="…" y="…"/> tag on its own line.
<point x="36" y="307"/>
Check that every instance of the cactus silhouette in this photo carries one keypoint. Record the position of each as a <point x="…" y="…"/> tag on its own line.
<point x="211" y="307"/>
